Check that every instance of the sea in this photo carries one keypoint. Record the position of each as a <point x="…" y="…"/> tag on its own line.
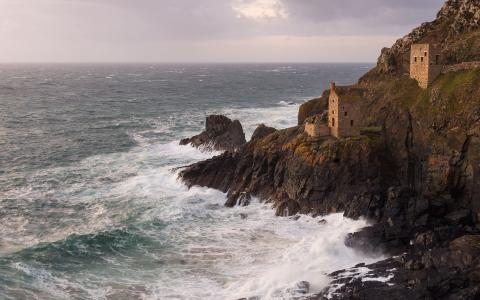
<point x="90" y="203"/>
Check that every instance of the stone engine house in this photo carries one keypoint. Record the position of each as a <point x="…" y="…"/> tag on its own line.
<point x="343" y="118"/>
<point x="425" y="63"/>
<point x="344" y="115"/>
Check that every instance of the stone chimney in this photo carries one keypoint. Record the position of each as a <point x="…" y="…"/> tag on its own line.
<point x="332" y="86"/>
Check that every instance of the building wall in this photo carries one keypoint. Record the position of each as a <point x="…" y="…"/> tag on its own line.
<point x="425" y="64"/>
<point x="317" y="130"/>
<point x="349" y="119"/>
<point x="333" y="112"/>
<point x="344" y="117"/>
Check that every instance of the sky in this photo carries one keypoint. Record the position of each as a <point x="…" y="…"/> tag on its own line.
<point x="205" y="30"/>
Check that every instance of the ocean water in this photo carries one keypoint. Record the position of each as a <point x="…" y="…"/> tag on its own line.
<point x="91" y="209"/>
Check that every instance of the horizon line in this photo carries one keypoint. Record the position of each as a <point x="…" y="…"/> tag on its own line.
<point x="176" y="62"/>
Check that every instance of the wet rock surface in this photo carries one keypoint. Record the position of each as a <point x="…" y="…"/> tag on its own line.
<point x="221" y="134"/>
<point x="450" y="271"/>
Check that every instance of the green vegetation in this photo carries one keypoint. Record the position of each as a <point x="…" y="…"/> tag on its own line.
<point x="373" y="129"/>
<point x="448" y="93"/>
<point x="452" y="81"/>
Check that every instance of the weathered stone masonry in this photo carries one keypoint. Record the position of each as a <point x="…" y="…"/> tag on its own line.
<point x="344" y="112"/>
<point x="343" y="118"/>
<point x="425" y="63"/>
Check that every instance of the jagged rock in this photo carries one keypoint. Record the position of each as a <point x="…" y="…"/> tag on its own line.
<point x="460" y="217"/>
<point x="448" y="272"/>
<point x="296" y="174"/>
<point x="312" y="107"/>
<point x="262" y="131"/>
<point x="455" y="20"/>
<point x="220" y="133"/>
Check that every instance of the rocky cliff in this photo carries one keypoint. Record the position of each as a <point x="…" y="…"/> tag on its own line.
<point x="220" y="134"/>
<point x="418" y="178"/>
<point x="455" y="28"/>
<point x="299" y="174"/>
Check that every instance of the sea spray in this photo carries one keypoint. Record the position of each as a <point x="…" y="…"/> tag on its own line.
<point x="91" y="209"/>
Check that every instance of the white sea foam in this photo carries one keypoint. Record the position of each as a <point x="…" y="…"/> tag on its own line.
<point x="210" y="252"/>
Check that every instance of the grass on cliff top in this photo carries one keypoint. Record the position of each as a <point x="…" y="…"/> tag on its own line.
<point x="389" y="90"/>
<point x="448" y="94"/>
<point x="452" y="81"/>
<point x="311" y="150"/>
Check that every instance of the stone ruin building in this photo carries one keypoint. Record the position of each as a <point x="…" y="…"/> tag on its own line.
<point x="343" y="117"/>
<point x="425" y="63"/>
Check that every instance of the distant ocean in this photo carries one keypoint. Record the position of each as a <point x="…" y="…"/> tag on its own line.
<point x="89" y="206"/>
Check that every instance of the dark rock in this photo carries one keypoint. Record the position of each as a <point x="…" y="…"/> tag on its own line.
<point x="220" y="133"/>
<point x="453" y="273"/>
<point x="303" y="287"/>
<point x="244" y="199"/>
<point x="297" y="174"/>
<point x="463" y="217"/>
<point x="466" y="252"/>
<point x="262" y="131"/>
<point x="312" y="108"/>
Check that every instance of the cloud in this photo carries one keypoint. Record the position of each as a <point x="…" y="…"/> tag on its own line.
<point x="360" y="17"/>
<point x="132" y="30"/>
<point x="260" y="9"/>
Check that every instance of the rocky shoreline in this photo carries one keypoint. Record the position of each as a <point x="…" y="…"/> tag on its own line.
<point x="416" y="177"/>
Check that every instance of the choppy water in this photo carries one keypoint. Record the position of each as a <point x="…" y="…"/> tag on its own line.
<point x="89" y="208"/>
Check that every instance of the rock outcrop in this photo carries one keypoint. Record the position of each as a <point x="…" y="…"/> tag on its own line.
<point x="262" y="131"/>
<point x="299" y="174"/>
<point x="455" y="29"/>
<point x="417" y="178"/>
<point x="220" y="134"/>
<point x="313" y="107"/>
<point x="448" y="271"/>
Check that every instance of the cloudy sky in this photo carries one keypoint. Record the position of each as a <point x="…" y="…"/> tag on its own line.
<point x="205" y="30"/>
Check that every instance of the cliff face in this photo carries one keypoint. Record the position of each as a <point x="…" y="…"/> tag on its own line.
<point x="418" y="178"/>
<point x="299" y="174"/>
<point x="454" y="24"/>
<point x="456" y="29"/>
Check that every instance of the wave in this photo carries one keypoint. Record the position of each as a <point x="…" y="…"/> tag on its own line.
<point x="81" y="249"/>
<point x="288" y="103"/>
<point x="121" y="226"/>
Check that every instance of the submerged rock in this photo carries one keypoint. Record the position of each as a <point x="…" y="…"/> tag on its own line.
<point x="220" y="134"/>
<point x="303" y="288"/>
